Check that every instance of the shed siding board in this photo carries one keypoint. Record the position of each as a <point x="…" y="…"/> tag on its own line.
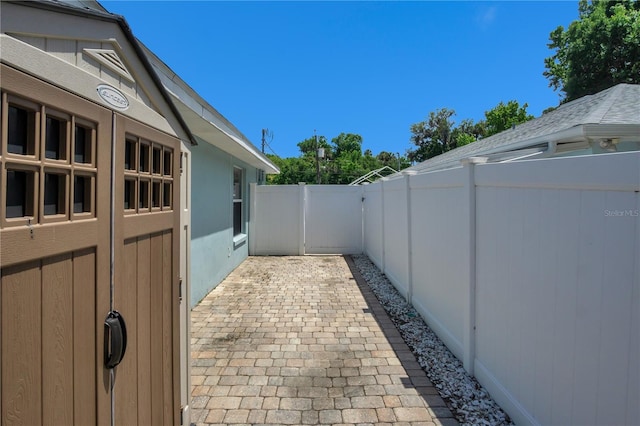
<point x="64" y="49"/>
<point x="57" y="340"/>
<point x="155" y="272"/>
<point x="165" y="241"/>
<point x="143" y="249"/>
<point x="22" y="344"/>
<point x="126" y="300"/>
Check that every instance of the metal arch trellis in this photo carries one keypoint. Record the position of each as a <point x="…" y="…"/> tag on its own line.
<point x="374" y="175"/>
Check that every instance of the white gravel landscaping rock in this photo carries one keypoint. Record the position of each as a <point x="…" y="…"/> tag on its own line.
<point x="467" y="399"/>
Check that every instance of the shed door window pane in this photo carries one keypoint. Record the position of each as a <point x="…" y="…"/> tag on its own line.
<point x="82" y="194"/>
<point x="55" y="139"/>
<point x="54" y="194"/>
<point x="21" y="132"/>
<point x="82" y="146"/>
<point x="19" y="194"/>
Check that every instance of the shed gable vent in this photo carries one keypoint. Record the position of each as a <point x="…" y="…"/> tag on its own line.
<point x="111" y="60"/>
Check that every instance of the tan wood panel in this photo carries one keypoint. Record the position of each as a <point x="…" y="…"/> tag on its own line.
<point x="48" y="240"/>
<point x="157" y="299"/>
<point x="167" y="324"/>
<point x="84" y="333"/>
<point x="157" y="381"/>
<point x="57" y="340"/>
<point x="90" y="270"/>
<point x="144" y="330"/>
<point x="126" y="300"/>
<point x="21" y="345"/>
<point x="145" y="224"/>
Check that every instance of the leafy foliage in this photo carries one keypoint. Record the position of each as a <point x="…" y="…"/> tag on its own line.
<point x="433" y="136"/>
<point x="343" y="162"/>
<point x="347" y="142"/>
<point x="439" y="134"/>
<point x="598" y="51"/>
<point x="308" y="146"/>
<point x="504" y="116"/>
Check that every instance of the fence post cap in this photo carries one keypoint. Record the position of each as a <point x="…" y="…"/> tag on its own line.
<point x="474" y="160"/>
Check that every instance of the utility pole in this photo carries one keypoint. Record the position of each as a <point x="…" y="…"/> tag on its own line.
<point x="317" y="149"/>
<point x="264" y="132"/>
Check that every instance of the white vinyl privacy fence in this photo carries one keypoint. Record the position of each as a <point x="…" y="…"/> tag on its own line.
<point x="529" y="271"/>
<point x="305" y="219"/>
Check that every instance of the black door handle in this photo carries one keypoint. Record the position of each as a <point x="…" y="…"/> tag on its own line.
<point x="115" y="339"/>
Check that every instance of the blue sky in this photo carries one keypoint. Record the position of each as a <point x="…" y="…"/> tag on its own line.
<point x="372" y="68"/>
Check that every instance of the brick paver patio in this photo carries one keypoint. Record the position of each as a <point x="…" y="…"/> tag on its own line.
<point x="302" y="340"/>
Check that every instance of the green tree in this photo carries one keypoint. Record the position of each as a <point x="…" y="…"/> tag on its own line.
<point x="343" y="163"/>
<point x="438" y="134"/>
<point x="597" y="51"/>
<point x="504" y="116"/>
<point x="292" y="170"/>
<point x="433" y="136"/>
<point x="347" y="142"/>
<point x="468" y="131"/>
<point x="308" y="146"/>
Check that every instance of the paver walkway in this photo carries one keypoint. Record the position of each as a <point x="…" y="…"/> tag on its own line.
<point x="302" y="340"/>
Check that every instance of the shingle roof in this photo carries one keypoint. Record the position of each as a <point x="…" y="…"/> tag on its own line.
<point x="618" y="105"/>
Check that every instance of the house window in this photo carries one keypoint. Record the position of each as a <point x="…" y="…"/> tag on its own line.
<point x="238" y="220"/>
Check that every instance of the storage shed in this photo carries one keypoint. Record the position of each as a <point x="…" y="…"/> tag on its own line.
<point x="100" y="142"/>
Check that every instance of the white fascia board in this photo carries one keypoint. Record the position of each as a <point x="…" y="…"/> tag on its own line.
<point x="572" y="133"/>
<point x="580" y="133"/>
<point x="631" y="131"/>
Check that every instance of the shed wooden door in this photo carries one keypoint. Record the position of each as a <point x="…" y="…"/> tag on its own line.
<point x="56" y="243"/>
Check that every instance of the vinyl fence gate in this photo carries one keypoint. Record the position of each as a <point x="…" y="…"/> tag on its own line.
<point x="305" y="219"/>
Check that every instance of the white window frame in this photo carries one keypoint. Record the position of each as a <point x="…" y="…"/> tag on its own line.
<point x="241" y="236"/>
